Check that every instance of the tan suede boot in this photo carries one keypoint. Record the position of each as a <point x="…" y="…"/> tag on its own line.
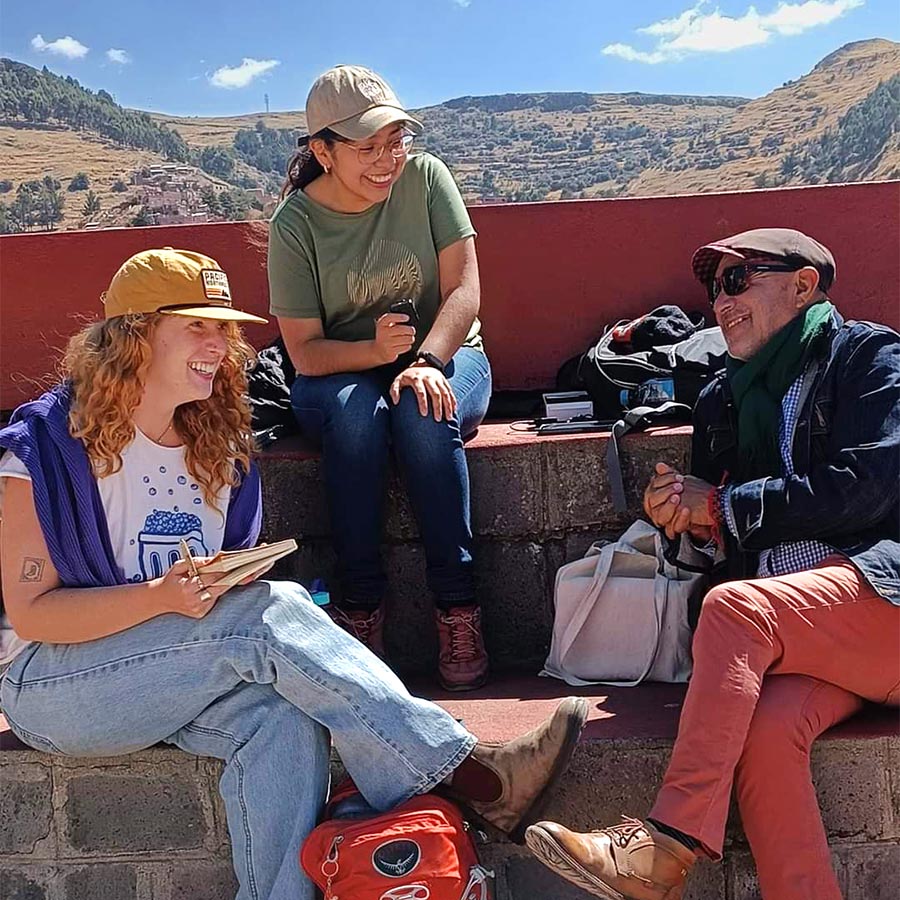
<point x="631" y="861"/>
<point x="527" y="768"/>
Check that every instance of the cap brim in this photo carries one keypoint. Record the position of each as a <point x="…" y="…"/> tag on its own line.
<point x="365" y="124"/>
<point x="218" y="313"/>
<point x="706" y="260"/>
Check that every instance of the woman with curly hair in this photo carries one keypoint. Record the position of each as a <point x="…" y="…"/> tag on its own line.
<point x="373" y="276"/>
<point x="109" y="643"/>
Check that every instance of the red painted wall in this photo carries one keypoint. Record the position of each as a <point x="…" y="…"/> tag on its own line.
<point x="553" y="274"/>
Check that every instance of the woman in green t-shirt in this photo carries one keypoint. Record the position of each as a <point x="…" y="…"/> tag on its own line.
<point x="374" y="279"/>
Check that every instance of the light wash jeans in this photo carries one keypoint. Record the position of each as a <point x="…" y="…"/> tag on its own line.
<point x="258" y="683"/>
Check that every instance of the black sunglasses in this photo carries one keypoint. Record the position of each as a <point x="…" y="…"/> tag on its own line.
<point x="736" y="279"/>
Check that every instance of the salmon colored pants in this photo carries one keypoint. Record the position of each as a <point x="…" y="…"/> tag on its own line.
<point x="777" y="661"/>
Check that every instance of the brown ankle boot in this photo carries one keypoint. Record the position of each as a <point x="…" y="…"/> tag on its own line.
<point x="462" y="659"/>
<point x="367" y="627"/>
<point x="632" y="860"/>
<point x="526" y="769"/>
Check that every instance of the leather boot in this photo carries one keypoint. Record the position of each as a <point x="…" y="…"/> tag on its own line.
<point x="527" y="768"/>
<point x="367" y="627"/>
<point x="462" y="659"/>
<point x="632" y="860"/>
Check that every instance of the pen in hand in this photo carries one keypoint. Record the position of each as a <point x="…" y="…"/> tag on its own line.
<point x="188" y="557"/>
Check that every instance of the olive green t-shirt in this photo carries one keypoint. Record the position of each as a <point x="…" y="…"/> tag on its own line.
<point x="345" y="269"/>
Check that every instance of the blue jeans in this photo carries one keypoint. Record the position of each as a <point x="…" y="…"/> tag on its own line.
<point x="352" y="418"/>
<point x="258" y="683"/>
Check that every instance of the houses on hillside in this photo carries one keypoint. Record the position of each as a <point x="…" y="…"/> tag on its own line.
<point x="172" y="194"/>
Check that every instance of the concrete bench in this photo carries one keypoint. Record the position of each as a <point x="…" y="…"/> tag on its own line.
<point x="150" y="826"/>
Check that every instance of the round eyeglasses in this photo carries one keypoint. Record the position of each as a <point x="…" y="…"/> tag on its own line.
<point x="368" y="154"/>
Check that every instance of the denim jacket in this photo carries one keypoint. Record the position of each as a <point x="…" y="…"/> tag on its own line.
<point x="846" y="453"/>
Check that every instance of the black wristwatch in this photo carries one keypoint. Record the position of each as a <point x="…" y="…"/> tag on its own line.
<point x="431" y="360"/>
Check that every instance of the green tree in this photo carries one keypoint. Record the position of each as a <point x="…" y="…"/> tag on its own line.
<point x="119" y="186"/>
<point x="233" y="205"/>
<point x="211" y="199"/>
<point x="38" y="203"/>
<point x="91" y="205"/>
<point x="52" y="204"/>
<point x="9" y="221"/>
<point x="142" y="218"/>
<point x="41" y="96"/>
<point x="79" y="183"/>
<point x="217" y="161"/>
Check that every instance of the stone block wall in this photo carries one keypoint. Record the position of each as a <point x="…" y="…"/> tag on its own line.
<point x="536" y="503"/>
<point x="150" y="826"/>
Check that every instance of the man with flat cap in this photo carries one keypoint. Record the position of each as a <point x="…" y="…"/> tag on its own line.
<point x="794" y="486"/>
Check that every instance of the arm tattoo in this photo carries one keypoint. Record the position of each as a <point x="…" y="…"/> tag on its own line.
<point x="32" y="570"/>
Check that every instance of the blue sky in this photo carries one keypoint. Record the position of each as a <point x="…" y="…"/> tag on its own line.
<point x="197" y="57"/>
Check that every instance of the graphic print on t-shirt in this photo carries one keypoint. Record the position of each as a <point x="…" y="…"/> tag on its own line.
<point x="176" y="515"/>
<point x="388" y="271"/>
<point x="160" y="540"/>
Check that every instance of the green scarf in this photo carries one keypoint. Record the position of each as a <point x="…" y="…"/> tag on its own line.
<point x="759" y="385"/>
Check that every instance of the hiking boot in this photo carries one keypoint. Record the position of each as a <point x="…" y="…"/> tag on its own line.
<point x="632" y="860"/>
<point x="462" y="659"/>
<point x="525" y="769"/>
<point x="367" y="627"/>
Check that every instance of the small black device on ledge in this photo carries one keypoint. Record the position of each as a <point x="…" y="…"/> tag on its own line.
<point x="574" y="426"/>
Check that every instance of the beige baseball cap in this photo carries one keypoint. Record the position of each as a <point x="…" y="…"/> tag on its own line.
<point x="354" y="102"/>
<point x="175" y="282"/>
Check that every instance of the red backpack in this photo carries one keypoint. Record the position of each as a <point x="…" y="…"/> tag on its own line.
<point x="420" y="850"/>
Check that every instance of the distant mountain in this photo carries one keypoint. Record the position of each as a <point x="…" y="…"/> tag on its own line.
<point x="837" y="123"/>
<point x="763" y="141"/>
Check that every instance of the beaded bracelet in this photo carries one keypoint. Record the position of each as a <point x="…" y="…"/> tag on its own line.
<point x="714" y="510"/>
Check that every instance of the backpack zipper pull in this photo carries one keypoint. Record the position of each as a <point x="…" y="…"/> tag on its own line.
<point x="330" y="867"/>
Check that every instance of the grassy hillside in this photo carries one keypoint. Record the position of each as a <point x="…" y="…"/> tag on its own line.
<point x="839" y="122"/>
<point x="767" y="129"/>
<point x="206" y="132"/>
<point x="536" y="146"/>
<point x="31" y="153"/>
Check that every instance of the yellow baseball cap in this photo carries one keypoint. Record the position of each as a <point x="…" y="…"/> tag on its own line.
<point x="175" y="282"/>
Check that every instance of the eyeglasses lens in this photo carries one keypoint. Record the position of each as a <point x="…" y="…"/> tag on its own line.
<point x="398" y="149"/>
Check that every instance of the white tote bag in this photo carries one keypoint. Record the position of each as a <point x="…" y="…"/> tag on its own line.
<point x="621" y="614"/>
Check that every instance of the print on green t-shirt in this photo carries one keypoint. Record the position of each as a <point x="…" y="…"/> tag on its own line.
<point x="347" y="268"/>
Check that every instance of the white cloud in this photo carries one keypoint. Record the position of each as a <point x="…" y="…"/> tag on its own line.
<point x="240" y="76"/>
<point x="65" y="46"/>
<point x="697" y="30"/>
<point x="632" y="55"/>
<point x="794" y="18"/>
<point x="462" y="3"/>
<point x="118" y="56"/>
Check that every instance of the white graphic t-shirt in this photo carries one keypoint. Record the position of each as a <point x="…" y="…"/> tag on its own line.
<point x="151" y="504"/>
